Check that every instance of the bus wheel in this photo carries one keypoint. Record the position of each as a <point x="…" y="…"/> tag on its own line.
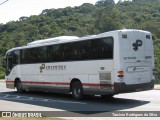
<point x="19" y="86"/>
<point x="77" y="90"/>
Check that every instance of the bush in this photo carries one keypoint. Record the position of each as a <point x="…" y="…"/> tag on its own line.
<point x="2" y="73"/>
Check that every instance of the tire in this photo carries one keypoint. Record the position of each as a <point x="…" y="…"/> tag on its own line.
<point x="77" y="91"/>
<point x="19" y="86"/>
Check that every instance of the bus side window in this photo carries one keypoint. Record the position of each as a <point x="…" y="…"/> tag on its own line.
<point x="80" y="50"/>
<point x="102" y="48"/>
<point x="23" y="56"/>
<point x="39" y="52"/>
<point x="67" y="52"/>
<point x="56" y="52"/>
<point x="16" y="57"/>
<point x="46" y="55"/>
<point x="9" y="61"/>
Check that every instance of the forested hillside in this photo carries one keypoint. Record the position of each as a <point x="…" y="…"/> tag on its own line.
<point x="86" y="19"/>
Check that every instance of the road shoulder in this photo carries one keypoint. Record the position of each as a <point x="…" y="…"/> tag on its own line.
<point x="157" y="87"/>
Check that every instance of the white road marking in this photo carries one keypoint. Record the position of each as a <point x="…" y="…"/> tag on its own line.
<point x="6" y="96"/>
<point x="18" y="97"/>
<point x="30" y="98"/>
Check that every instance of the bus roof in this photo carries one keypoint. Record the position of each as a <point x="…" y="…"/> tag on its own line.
<point x="53" y="40"/>
<point x="126" y="30"/>
<point x="65" y="39"/>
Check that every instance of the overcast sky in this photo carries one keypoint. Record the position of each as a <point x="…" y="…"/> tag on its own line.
<point x="14" y="9"/>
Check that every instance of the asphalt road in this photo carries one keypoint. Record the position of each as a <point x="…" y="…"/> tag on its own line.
<point x="63" y="104"/>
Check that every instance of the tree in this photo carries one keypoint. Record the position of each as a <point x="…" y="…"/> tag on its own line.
<point x="157" y="62"/>
<point x="144" y="1"/>
<point x="120" y="1"/>
<point x="23" y="18"/>
<point x="102" y="3"/>
<point x="86" y="19"/>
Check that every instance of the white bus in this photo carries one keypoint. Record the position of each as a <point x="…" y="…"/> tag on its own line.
<point x="106" y="64"/>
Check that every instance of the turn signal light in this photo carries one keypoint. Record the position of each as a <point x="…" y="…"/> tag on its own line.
<point x="120" y="72"/>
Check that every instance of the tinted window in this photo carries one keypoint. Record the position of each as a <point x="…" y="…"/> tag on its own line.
<point x="24" y="56"/>
<point x="28" y="55"/>
<point x="53" y="53"/>
<point x="39" y="54"/>
<point x="32" y="55"/>
<point x="9" y="61"/>
<point x="67" y="50"/>
<point x="80" y="50"/>
<point x="16" y="57"/>
<point x="102" y="48"/>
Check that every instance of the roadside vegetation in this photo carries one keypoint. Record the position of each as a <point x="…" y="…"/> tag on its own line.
<point x="83" y="20"/>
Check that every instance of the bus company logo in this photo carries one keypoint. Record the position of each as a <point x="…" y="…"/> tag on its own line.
<point x="42" y="67"/>
<point x="51" y="68"/>
<point x="137" y="44"/>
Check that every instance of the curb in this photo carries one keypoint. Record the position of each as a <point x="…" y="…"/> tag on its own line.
<point x="157" y="87"/>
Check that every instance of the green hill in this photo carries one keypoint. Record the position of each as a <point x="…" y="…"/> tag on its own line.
<point x="86" y="19"/>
